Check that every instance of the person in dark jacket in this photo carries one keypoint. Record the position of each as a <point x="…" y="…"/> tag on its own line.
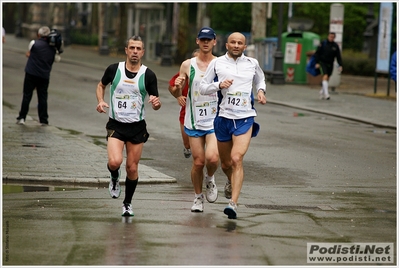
<point x="392" y="68"/>
<point x="37" y="75"/>
<point x="325" y="54"/>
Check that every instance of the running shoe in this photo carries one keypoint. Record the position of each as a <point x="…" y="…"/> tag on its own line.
<point x="227" y="190"/>
<point x="321" y="94"/>
<point x="114" y="186"/>
<point x="198" y="204"/>
<point x="211" y="191"/>
<point x="187" y="153"/>
<point x="127" y="210"/>
<point x="231" y="210"/>
<point x="21" y="121"/>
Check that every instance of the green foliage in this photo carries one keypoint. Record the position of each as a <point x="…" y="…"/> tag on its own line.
<point x="318" y="12"/>
<point x="357" y="63"/>
<point x="83" y="38"/>
<point x="358" y="66"/>
<point x="354" y="25"/>
<point x="231" y="17"/>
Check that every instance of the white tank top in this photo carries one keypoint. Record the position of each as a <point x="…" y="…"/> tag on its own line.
<point x="127" y="96"/>
<point x="200" y="109"/>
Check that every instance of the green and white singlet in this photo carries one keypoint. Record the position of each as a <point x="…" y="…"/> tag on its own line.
<point x="200" y="109"/>
<point x="127" y="96"/>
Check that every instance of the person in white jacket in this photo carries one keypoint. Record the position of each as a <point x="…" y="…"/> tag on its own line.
<point x="234" y="123"/>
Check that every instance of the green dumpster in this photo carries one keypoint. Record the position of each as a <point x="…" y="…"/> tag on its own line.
<point x="295" y="45"/>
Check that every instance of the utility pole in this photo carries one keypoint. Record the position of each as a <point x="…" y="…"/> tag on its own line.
<point x="104" y="49"/>
<point x="278" y="74"/>
<point x="167" y="43"/>
<point x="368" y="33"/>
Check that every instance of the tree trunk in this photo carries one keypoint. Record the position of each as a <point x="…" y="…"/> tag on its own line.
<point x="258" y="28"/>
<point x="183" y="34"/>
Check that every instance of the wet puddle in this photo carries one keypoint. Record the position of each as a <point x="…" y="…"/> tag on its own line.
<point x="12" y="188"/>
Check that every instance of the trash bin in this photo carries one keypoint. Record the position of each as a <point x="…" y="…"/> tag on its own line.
<point x="264" y="53"/>
<point x="295" y="45"/>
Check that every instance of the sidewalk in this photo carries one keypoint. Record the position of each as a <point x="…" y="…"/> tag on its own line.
<point x="65" y="151"/>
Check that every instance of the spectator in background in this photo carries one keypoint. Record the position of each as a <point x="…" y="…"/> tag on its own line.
<point x="392" y="69"/>
<point x="325" y="54"/>
<point x="37" y="75"/>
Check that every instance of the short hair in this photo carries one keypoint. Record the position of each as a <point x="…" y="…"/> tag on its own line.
<point x="332" y="33"/>
<point x="44" y="31"/>
<point x="134" y="38"/>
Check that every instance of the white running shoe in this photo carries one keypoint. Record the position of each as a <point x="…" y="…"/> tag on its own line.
<point x="127" y="210"/>
<point x="114" y="187"/>
<point x="198" y="204"/>
<point x="231" y="210"/>
<point x="21" y="121"/>
<point x="227" y="190"/>
<point x="321" y="94"/>
<point x="211" y="190"/>
<point x="187" y="153"/>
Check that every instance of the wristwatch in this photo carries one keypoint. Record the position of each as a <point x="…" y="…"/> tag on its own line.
<point x="264" y="92"/>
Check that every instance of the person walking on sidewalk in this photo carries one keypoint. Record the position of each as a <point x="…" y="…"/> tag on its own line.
<point x="130" y="81"/>
<point x="181" y="100"/>
<point x="234" y="123"/>
<point x="198" y="121"/>
<point x="325" y="54"/>
<point x="37" y="75"/>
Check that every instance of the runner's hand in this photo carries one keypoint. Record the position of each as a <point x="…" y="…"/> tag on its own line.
<point x="154" y="100"/>
<point x="101" y="105"/>
<point x="179" y="82"/>
<point x="261" y="97"/>
<point x="181" y="100"/>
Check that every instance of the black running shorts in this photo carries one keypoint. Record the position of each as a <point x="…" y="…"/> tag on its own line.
<point x="128" y="132"/>
<point x="326" y="68"/>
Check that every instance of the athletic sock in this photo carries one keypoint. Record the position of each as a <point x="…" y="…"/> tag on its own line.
<point x="199" y="195"/>
<point x="130" y="189"/>
<point x="209" y="178"/>
<point x="114" y="173"/>
<point x="325" y="87"/>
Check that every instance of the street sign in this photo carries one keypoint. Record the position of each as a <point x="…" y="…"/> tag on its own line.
<point x="336" y="26"/>
<point x="384" y="38"/>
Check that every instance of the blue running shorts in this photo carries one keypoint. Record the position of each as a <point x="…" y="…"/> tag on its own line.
<point x="197" y="133"/>
<point x="226" y="128"/>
